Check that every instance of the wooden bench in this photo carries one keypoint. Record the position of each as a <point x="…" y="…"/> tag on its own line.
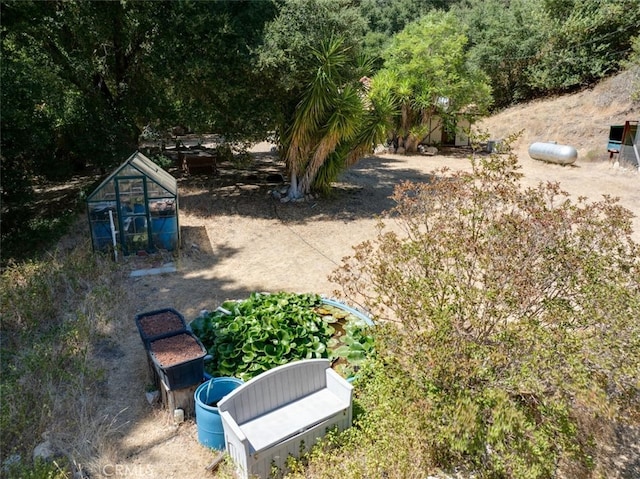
<point x="283" y="412"/>
<point x="193" y="163"/>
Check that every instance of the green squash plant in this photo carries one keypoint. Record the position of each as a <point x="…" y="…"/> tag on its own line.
<point x="263" y="331"/>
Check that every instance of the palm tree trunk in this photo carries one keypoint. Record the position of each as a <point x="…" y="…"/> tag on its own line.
<point x="411" y="144"/>
<point x="325" y="148"/>
<point x="294" y="192"/>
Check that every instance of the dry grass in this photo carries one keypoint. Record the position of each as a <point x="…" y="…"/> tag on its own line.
<point x="581" y="120"/>
<point x="59" y="316"/>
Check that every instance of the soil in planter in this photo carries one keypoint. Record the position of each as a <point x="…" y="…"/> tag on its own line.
<point x="175" y="349"/>
<point x="160" y="323"/>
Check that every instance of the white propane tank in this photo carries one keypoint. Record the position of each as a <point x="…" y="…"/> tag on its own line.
<point x="553" y="153"/>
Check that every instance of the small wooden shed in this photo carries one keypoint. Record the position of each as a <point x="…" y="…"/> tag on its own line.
<point x="455" y="130"/>
<point x="440" y="135"/>
<point x="135" y="209"/>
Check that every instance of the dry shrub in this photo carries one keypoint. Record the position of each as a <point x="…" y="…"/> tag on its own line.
<point x="511" y="311"/>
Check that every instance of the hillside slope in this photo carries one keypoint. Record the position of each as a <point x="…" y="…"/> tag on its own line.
<point x="581" y="119"/>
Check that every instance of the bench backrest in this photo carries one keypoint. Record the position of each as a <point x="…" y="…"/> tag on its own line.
<point x="275" y="388"/>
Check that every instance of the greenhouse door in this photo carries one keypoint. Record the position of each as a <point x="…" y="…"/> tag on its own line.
<point x="134" y="214"/>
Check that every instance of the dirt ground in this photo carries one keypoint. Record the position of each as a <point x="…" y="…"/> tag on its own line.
<point x="237" y="239"/>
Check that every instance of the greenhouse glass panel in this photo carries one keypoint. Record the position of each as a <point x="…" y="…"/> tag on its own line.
<point x="135" y="209"/>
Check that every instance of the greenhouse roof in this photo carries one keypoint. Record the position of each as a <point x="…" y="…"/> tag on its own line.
<point x="139" y="165"/>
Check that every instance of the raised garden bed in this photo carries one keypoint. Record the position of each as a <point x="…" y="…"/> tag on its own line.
<point x="263" y="331"/>
<point x="157" y="324"/>
<point x="179" y="359"/>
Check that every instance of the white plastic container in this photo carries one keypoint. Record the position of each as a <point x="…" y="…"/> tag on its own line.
<point x="178" y="416"/>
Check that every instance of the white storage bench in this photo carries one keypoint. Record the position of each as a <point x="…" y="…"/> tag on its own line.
<point x="283" y="412"/>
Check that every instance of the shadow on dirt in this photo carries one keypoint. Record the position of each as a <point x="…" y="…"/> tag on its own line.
<point x="196" y="239"/>
<point x="361" y="191"/>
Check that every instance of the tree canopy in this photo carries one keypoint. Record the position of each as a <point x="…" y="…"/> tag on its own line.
<point x="287" y="55"/>
<point x="530" y="48"/>
<point x="314" y="48"/>
<point x="385" y="19"/>
<point x="81" y="80"/>
<point x="426" y="73"/>
<point x="207" y="59"/>
<point x="95" y="56"/>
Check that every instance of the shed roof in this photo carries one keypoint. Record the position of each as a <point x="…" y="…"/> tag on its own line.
<point x="138" y="163"/>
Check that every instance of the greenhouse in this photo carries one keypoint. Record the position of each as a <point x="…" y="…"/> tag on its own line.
<point x="135" y="209"/>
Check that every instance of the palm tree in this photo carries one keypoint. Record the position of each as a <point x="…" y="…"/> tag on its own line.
<point x="333" y="125"/>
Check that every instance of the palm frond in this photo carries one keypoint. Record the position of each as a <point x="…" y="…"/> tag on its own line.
<point x="317" y="100"/>
<point x="335" y="119"/>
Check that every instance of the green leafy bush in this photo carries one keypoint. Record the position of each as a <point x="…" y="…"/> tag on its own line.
<point x="58" y="469"/>
<point x="513" y="310"/>
<point x="248" y="337"/>
<point x="387" y="438"/>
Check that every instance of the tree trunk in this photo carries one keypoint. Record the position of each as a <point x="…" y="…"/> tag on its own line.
<point x="411" y="144"/>
<point x="294" y="192"/>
